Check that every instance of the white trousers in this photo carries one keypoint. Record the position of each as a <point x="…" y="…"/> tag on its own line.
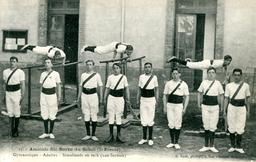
<point x="90" y="106"/>
<point x="198" y="65"/>
<point x="49" y="106"/>
<point x="105" y="49"/>
<point x="42" y="50"/>
<point x="115" y="108"/>
<point x="13" y="103"/>
<point x="147" y="111"/>
<point x="236" y="118"/>
<point x="210" y="116"/>
<point x="174" y="115"/>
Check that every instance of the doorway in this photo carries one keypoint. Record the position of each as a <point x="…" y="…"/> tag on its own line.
<point x="71" y="47"/>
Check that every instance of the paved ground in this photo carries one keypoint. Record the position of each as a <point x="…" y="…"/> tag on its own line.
<point x="70" y="130"/>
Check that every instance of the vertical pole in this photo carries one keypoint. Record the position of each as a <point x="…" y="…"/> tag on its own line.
<point x="140" y="64"/>
<point x="29" y="91"/>
<point x="125" y="105"/>
<point x="106" y="78"/>
<point x="63" y="85"/>
<point x="122" y="20"/>
<point x="77" y="78"/>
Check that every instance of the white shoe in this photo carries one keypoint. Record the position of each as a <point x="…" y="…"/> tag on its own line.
<point x="170" y="59"/>
<point x="170" y="145"/>
<point x="24" y="47"/>
<point x="86" y="138"/>
<point x="231" y="149"/>
<point x="177" y="146"/>
<point x="240" y="150"/>
<point x="51" y="136"/>
<point x="43" y="136"/>
<point x="213" y="149"/>
<point x="141" y="142"/>
<point x="203" y="149"/>
<point x="94" y="138"/>
<point x="150" y="142"/>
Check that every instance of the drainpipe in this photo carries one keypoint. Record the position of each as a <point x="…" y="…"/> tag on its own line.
<point x="122" y="20"/>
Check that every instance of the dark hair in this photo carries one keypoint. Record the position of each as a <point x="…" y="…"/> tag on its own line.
<point x="117" y="64"/>
<point x="211" y="68"/>
<point x="57" y="53"/>
<point x="47" y="58"/>
<point x="14" y="58"/>
<point x="148" y="63"/>
<point x="227" y="57"/>
<point x="90" y="61"/>
<point x="238" y="70"/>
<point x="175" y="68"/>
<point x="129" y="47"/>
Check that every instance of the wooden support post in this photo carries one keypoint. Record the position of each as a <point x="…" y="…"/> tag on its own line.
<point x="140" y="64"/>
<point x="106" y="78"/>
<point x="63" y="85"/>
<point x="29" y="91"/>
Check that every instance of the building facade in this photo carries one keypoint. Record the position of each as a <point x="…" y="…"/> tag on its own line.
<point x="198" y="29"/>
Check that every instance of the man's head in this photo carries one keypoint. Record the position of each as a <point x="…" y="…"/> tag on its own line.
<point x="89" y="65"/>
<point x="227" y="60"/>
<point x="148" y="67"/>
<point x="57" y="54"/>
<point x="116" y="68"/>
<point x="129" y="50"/>
<point x="48" y="63"/>
<point x="211" y="73"/>
<point x="175" y="74"/>
<point x="237" y="74"/>
<point x="13" y="61"/>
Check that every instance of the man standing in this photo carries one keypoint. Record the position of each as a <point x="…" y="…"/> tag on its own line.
<point x="147" y="97"/>
<point x="49" y="99"/>
<point x="116" y="86"/>
<point x="175" y="99"/>
<point x="116" y="47"/>
<point x="205" y="64"/>
<point x="14" y="87"/>
<point x="237" y="96"/>
<point x="89" y="83"/>
<point x="210" y="100"/>
<point x="48" y="51"/>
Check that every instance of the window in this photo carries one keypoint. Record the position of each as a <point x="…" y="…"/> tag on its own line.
<point x="14" y="40"/>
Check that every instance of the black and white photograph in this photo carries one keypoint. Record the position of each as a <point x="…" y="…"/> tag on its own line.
<point x="127" y="80"/>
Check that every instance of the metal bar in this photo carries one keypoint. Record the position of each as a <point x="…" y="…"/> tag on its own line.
<point x="114" y="60"/>
<point x="54" y="65"/>
<point x="29" y="91"/>
<point x="142" y="57"/>
<point x="106" y="78"/>
<point x="59" y="65"/>
<point x="140" y="64"/>
<point x="63" y="85"/>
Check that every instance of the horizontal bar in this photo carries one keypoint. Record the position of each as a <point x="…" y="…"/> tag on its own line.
<point x="139" y="58"/>
<point x="60" y="65"/>
<point x="42" y="65"/>
<point x="125" y="58"/>
<point x="114" y="60"/>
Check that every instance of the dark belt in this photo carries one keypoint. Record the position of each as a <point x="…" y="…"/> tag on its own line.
<point x="49" y="91"/>
<point x="210" y="100"/>
<point x="89" y="90"/>
<point x="117" y="93"/>
<point x="147" y="92"/>
<point x="50" y="49"/>
<point x="175" y="99"/>
<point x="118" y="44"/>
<point x="237" y="102"/>
<point x="12" y="88"/>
